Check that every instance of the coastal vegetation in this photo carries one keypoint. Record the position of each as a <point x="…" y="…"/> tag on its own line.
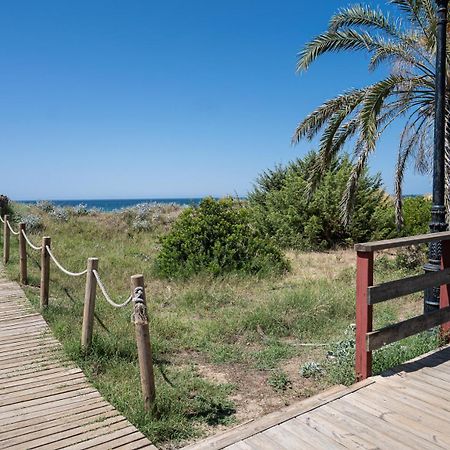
<point x="218" y="237"/>
<point x="285" y="210"/>
<point x="228" y="346"/>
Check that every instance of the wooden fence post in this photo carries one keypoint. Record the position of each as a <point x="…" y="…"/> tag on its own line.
<point x="364" y="279"/>
<point x="444" y="299"/>
<point x="89" y="303"/>
<point x="144" y="348"/>
<point x="23" y="254"/>
<point x="45" y="271"/>
<point x="6" y="238"/>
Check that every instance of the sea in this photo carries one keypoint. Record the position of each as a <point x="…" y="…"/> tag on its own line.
<point x="117" y="204"/>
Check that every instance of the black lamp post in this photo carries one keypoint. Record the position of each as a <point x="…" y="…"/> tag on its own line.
<point x="438" y="222"/>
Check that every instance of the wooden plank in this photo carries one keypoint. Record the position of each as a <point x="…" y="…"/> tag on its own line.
<point x="86" y="433"/>
<point x="402" y="417"/>
<point x="43" y="400"/>
<point x="139" y="444"/>
<point x="80" y="413"/>
<point x="402" y="242"/>
<point x="325" y="422"/>
<point x="60" y="378"/>
<point x="388" y="423"/>
<point x="401" y="330"/>
<point x="26" y="421"/>
<point x="364" y="423"/>
<point x="106" y="441"/>
<point x="32" y="377"/>
<point x="405" y="286"/>
<point x="41" y="409"/>
<point x="253" y="427"/>
<point x="287" y="439"/>
<point x="69" y="433"/>
<point x="19" y="391"/>
<point x="261" y="441"/>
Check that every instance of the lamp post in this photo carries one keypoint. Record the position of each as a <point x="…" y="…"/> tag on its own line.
<point x="438" y="222"/>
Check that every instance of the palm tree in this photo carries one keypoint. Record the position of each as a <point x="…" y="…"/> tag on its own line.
<point x="405" y="42"/>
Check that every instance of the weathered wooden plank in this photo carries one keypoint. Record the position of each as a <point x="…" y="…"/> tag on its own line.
<point x="325" y="422"/>
<point x="251" y="428"/>
<point x="48" y="399"/>
<point x="108" y="441"/>
<point x="405" y="286"/>
<point x="41" y="409"/>
<point x="360" y="423"/>
<point x="379" y="338"/>
<point x="36" y="383"/>
<point x="68" y="434"/>
<point x="139" y="444"/>
<point x="402" y="242"/>
<point x="286" y="439"/>
<point x="79" y="415"/>
<point x="41" y="391"/>
<point x="28" y="421"/>
<point x="400" y="416"/>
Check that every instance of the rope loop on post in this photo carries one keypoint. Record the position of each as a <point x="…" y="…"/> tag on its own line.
<point x="139" y="315"/>
<point x="15" y="233"/>
<point x="105" y="293"/>
<point x="60" y="267"/>
<point x="34" y="247"/>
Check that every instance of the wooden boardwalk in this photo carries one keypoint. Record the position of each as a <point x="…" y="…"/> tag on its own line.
<point x="405" y="409"/>
<point x="45" y="401"/>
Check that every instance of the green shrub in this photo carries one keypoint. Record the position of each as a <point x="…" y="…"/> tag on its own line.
<point x="284" y="209"/>
<point x="416" y="215"/>
<point x="217" y="237"/>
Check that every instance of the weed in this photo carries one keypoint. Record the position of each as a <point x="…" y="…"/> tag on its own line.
<point x="278" y="380"/>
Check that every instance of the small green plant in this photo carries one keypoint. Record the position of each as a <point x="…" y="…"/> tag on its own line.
<point x="311" y="369"/>
<point x="217" y="237"/>
<point x="278" y="380"/>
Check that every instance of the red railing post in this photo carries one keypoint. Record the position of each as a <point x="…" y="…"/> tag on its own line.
<point x="444" y="299"/>
<point x="364" y="279"/>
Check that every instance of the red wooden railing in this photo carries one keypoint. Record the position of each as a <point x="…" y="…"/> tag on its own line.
<point x="368" y="294"/>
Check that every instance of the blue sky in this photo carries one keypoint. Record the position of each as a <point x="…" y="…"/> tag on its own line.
<point x="142" y="98"/>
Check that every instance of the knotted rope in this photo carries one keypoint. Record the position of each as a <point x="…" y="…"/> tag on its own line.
<point x="67" y="272"/>
<point x="139" y="315"/>
<point x="105" y="293"/>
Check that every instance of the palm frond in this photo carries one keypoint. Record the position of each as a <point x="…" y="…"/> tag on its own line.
<point x="314" y="122"/>
<point x="333" y="41"/>
<point x="366" y="16"/>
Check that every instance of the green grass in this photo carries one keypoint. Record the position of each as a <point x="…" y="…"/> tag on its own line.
<point x="235" y="326"/>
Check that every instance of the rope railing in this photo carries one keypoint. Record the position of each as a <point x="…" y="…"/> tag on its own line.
<point x="1" y="219"/>
<point x="105" y="293"/>
<point x="15" y="233"/>
<point x="60" y="267"/>
<point x="139" y="316"/>
<point x="34" y="247"/>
